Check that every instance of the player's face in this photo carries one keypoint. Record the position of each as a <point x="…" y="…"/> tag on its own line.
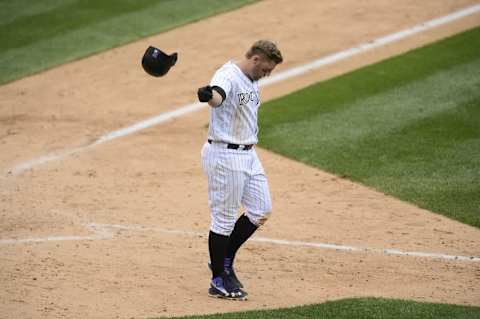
<point x="262" y="67"/>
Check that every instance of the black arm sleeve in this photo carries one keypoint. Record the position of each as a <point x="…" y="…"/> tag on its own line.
<point x="220" y="91"/>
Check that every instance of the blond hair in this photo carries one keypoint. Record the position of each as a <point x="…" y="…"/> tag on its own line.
<point x="266" y="48"/>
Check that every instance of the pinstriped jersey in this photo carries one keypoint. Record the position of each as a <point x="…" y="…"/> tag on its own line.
<point x="235" y="120"/>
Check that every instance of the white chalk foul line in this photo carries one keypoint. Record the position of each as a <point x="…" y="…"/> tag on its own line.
<point x="107" y="137"/>
<point x="365" y="249"/>
<point x="342" y="55"/>
<point x="99" y="233"/>
<point x="105" y="231"/>
<point x="278" y="77"/>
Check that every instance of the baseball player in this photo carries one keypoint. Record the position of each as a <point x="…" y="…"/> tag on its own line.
<point x="234" y="172"/>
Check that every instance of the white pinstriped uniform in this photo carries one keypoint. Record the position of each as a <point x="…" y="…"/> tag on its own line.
<point x="235" y="176"/>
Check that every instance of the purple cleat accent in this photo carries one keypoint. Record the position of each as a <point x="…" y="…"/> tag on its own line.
<point x="223" y="287"/>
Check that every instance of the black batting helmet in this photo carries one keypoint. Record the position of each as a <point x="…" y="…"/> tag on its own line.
<point x="156" y="62"/>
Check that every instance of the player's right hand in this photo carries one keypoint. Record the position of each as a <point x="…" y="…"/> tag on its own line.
<point x="205" y="93"/>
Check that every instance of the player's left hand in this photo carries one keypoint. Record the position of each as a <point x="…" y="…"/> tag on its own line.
<point x="205" y="93"/>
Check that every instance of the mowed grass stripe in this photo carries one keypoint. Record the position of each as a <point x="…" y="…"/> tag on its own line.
<point x="42" y="34"/>
<point x="364" y="308"/>
<point x="12" y="10"/>
<point x="408" y="126"/>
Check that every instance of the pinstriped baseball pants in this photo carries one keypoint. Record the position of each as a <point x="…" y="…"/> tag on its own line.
<point x="235" y="178"/>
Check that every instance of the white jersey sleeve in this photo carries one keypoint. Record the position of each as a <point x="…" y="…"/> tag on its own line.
<point x="235" y="120"/>
<point x="222" y="80"/>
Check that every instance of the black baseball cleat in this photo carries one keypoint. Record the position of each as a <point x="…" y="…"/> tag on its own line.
<point x="233" y="277"/>
<point x="231" y="273"/>
<point x="222" y="287"/>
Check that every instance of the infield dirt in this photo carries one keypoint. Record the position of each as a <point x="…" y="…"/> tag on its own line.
<point x="151" y="182"/>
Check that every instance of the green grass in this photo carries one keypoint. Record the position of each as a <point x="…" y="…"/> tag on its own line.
<point x="36" y="35"/>
<point x="408" y="126"/>
<point x="366" y="308"/>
